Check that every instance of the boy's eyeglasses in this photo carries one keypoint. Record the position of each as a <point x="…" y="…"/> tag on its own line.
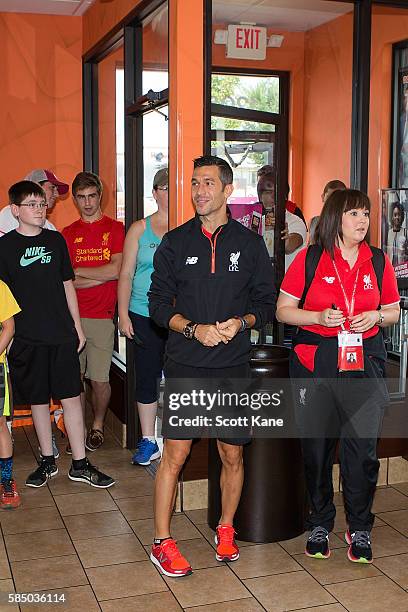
<point x="34" y="205"/>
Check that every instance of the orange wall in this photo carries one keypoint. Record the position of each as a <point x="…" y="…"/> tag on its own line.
<point x="102" y="17"/>
<point x="389" y="26"/>
<point x="289" y="57"/>
<point x="41" y="102"/>
<point x="327" y="109"/>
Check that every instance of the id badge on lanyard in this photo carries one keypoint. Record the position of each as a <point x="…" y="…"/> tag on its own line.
<point x="350" y="345"/>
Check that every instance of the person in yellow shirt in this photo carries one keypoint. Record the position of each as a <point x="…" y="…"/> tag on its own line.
<point x="9" y="497"/>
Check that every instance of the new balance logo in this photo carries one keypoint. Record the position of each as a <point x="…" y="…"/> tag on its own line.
<point x="78" y="239"/>
<point x="33" y="254"/>
<point x="191" y="261"/>
<point x="329" y="279"/>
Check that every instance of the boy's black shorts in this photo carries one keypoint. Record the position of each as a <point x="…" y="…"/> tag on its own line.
<point x="41" y="372"/>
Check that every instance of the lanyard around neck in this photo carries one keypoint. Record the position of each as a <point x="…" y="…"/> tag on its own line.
<point x="349" y="303"/>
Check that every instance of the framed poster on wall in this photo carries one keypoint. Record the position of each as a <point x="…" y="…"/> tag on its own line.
<point x="399" y="146"/>
<point x="394" y="229"/>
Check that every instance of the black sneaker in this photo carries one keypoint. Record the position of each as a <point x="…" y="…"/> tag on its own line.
<point x="39" y="477"/>
<point x="91" y="475"/>
<point x="359" y="546"/>
<point x="317" y="544"/>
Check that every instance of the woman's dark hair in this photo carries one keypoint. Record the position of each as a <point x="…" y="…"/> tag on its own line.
<point x="329" y="229"/>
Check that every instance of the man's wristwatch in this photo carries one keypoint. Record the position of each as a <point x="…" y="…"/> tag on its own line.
<point x="189" y="330"/>
<point x="380" y="318"/>
<point x="244" y="324"/>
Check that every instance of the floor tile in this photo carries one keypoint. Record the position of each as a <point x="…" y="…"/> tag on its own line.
<point x="181" y="529"/>
<point x="50" y="573"/>
<point x="85" y="526"/>
<point x="387" y="541"/>
<point x="34" y="498"/>
<point x="402" y="487"/>
<point x="7" y="586"/>
<point x="336" y="569"/>
<point x="207" y="586"/>
<point x="110" y="550"/>
<point x="40" y="544"/>
<point x="377" y="594"/>
<point x="5" y="572"/>
<point x="329" y="608"/>
<point x="387" y="499"/>
<point x="198" y="517"/>
<point x="297" y="545"/>
<point x="136" y="508"/>
<point x="125" y="580"/>
<point x="77" y="599"/>
<point x="62" y="485"/>
<point x="139" y="486"/>
<point x="288" y="591"/>
<point x="85" y="503"/>
<point x="121" y="469"/>
<point x="395" y="567"/>
<point x="238" y="605"/>
<point x="154" y="602"/>
<point x="25" y="462"/>
<point x="397" y="519"/>
<point x="31" y="520"/>
<point x="262" y="560"/>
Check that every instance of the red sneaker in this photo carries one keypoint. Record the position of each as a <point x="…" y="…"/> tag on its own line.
<point x="227" y="550"/>
<point x="169" y="559"/>
<point x="9" y="497"/>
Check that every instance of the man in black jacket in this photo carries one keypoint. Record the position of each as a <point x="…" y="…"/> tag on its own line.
<point x="212" y="283"/>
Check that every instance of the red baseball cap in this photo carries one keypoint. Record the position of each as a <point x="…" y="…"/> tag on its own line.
<point x="40" y="176"/>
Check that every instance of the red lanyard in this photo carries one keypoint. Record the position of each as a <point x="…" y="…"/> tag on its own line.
<point x="349" y="304"/>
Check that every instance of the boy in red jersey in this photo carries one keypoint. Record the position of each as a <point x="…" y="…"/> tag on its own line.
<point x="95" y="244"/>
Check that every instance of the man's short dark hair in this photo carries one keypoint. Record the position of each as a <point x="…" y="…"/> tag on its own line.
<point x="331" y="217"/>
<point x="224" y="169"/>
<point x="335" y="184"/>
<point x="83" y="180"/>
<point x="22" y="190"/>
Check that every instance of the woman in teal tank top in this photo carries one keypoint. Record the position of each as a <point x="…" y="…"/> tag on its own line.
<point x="141" y="242"/>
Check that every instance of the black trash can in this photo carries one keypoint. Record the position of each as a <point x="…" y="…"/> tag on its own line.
<point x="273" y="502"/>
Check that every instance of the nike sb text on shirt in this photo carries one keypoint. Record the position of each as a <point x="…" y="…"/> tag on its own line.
<point x="33" y="254"/>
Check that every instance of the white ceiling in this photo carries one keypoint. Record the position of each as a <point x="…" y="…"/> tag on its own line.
<point x="46" y="7"/>
<point x="289" y="15"/>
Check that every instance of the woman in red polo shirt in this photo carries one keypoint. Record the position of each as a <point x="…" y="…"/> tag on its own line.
<point x="337" y="367"/>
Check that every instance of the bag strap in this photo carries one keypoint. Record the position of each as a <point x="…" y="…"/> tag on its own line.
<point x="313" y="255"/>
<point x="378" y="262"/>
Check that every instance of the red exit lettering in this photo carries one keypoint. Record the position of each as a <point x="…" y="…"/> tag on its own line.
<point x="247" y="38"/>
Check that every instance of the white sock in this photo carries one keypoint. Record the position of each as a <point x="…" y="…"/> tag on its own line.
<point x="150" y="438"/>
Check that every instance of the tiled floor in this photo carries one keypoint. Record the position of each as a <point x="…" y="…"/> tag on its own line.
<point x="92" y="546"/>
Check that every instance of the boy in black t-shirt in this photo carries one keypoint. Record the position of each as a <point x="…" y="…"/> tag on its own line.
<point x="43" y="359"/>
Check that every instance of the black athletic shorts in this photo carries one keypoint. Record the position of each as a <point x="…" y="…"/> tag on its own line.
<point x="41" y="372"/>
<point x="177" y="370"/>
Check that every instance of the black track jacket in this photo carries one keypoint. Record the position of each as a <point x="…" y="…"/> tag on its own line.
<point x="211" y="280"/>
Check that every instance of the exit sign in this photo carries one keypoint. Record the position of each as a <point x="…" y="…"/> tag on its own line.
<point x="246" y="42"/>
